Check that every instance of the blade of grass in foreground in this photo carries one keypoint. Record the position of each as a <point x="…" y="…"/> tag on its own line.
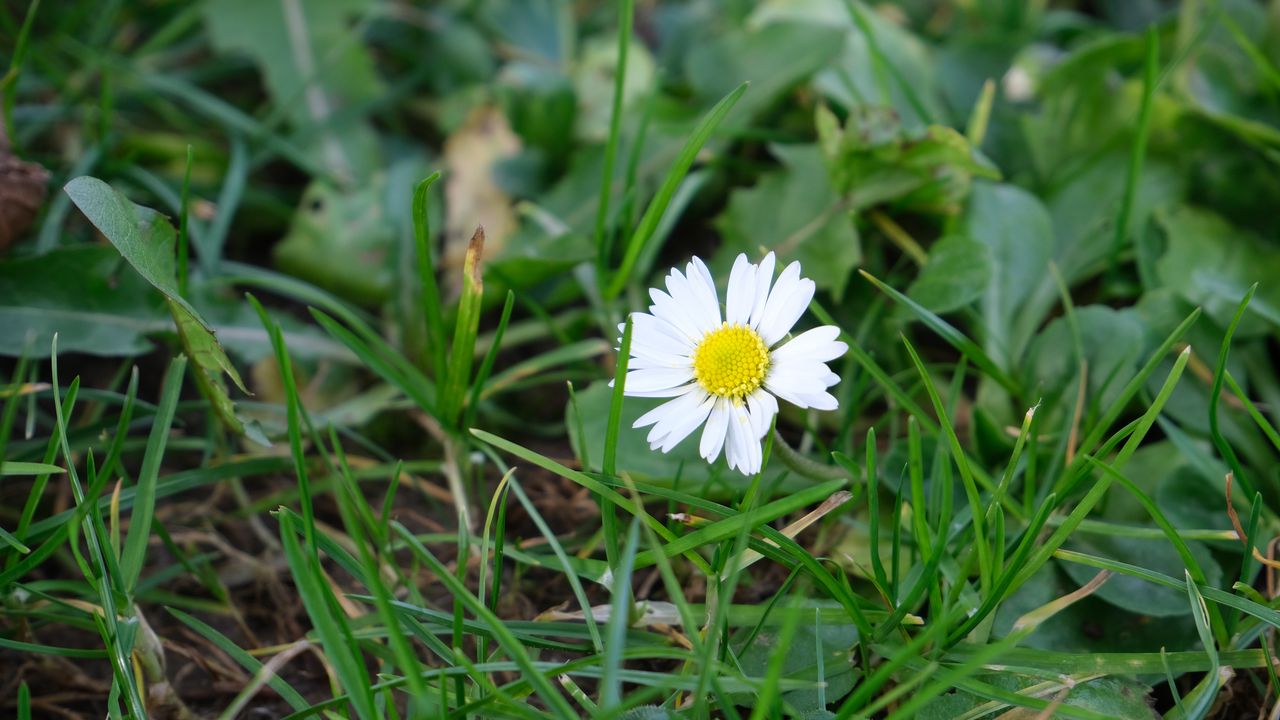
<point x="976" y="508"/>
<point x="1086" y="504"/>
<point x="340" y="646"/>
<point x="619" y="619"/>
<point x="144" y="504"/>
<point x="953" y="336"/>
<point x="353" y="505"/>
<point x="658" y="206"/>
<point x="609" y="464"/>
<point x="513" y="647"/>
<point x="246" y="660"/>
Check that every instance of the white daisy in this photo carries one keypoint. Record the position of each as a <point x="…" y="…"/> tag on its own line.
<point x="725" y="370"/>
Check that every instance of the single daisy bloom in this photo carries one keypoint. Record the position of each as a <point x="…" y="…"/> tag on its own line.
<point x="728" y="369"/>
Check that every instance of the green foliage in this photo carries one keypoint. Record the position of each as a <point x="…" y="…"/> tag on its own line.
<point x="1046" y="232"/>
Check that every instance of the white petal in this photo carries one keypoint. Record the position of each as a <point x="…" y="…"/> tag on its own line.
<point x="668" y="308"/>
<point x="764" y="277"/>
<point x="656" y="379"/>
<point x="659" y="349"/>
<point x="660" y="412"/>
<point x="819" y="345"/>
<point x="664" y="392"/>
<point x="651" y="331"/>
<point x="744" y="453"/>
<point x="763" y="407"/>
<point x="714" y="433"/>
<point x="785" y="308"/>
<point x="804" y="385"/>
<point x="787" y="282"/>
<point x="798" y="378"/>
<point x="704" y="286"/>
<point x="692" y="303"/>
<point x="742" y="291"/>
<point x="678" y="419"/>
<point x="664" y="363"/>
<point x="688" y="423"/>
<point x="821" y="401"/>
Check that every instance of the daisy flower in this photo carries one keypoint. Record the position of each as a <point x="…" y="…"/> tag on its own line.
<point x="724" y="369"/>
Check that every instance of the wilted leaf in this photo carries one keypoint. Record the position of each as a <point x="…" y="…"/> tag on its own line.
<point x="209" y="362"/>
<point x="22" y="191"/>
<point x="472" y="196"/>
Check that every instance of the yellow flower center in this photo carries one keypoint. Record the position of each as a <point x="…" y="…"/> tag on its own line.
<point x="731" y="361"/>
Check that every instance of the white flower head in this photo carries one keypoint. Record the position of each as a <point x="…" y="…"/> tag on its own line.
<point x="725" y="370"/>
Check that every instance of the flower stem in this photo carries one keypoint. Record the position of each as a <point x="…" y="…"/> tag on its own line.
<point x="802" y="465"/>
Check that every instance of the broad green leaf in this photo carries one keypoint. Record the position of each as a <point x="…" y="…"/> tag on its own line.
<point x="795" y="212"/>
<point x="1016" y="228"/>
<point x="773" y="58"/>
<point x="315" y="68"/>
<point x="1113" y="345"/>
<point x="143" y="236"/>
<point x="1131" y="593"/>
<point x="146" y="240"/>
<point x="838" y="663"/>
<point x="86" y="295"/>
<point x="543" y="29"/>
<point x="957" y="273"/>
<point x="1211" y="263"/>
<point x="899" y="71"/>
<point x="1110" y="696"/>
<point x="1083" y="210"/>
<point x="1092" y="624"/>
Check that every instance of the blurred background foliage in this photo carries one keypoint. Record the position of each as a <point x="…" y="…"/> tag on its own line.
<point x="1062" y="182"/>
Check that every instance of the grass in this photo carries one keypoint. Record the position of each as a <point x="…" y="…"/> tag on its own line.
<point x="434" y="505"/>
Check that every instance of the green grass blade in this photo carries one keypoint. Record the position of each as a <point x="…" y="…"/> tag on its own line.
<point x="486" y="365"/>
<point x="433" y="317"/>
<point x="658" y="206"/>
<point x="458" y="377"/>
<point x="626" y="14"/>
<point x="976" y="508"/>
<point x="1099" y="489"/>
<point x="619" y="618"/>
<point x="339" y="644"/>
<point x="135" y="545"/>
<point x="513" y="647"/>
<point x="1215" y="394"/>
<point x="953" y="336"/>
